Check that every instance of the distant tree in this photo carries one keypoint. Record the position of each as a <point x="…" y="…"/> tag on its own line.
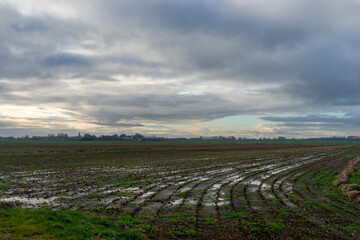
<point x="138" y="137"/>
<point x="88" y="137"/>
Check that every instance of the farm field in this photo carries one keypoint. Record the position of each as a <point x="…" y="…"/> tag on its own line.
<point x="174" y="191"/>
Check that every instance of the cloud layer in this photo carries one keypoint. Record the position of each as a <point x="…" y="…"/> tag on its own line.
<point x="108" y="66"/>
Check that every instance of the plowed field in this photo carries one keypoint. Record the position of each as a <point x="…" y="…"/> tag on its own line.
<point x="198" y="191"/>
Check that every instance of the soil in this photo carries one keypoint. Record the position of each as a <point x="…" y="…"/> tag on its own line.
<point x="220" y="191"/>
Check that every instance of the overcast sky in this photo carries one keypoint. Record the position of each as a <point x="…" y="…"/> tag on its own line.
<point x="180" y="68"/>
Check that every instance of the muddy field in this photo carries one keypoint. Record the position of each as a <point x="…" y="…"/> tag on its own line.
<point x="214" y="191"/>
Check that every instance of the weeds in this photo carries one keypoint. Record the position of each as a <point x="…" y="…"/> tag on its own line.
<point x="4" y="186"/>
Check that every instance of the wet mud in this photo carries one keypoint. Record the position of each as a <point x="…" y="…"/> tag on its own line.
<point x="267" y="185"/>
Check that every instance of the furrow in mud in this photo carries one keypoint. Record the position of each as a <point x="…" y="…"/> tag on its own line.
<point x="297" y="206"/>
<point x="153" y="199"/>
<point x="238" y="194"/>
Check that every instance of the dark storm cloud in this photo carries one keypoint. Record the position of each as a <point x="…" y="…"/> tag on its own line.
<point x="212" y="18"/>
<point x="310" y="51"/>
<point x="27" y="40"/>
<point x="61" y="59"/>
<point x="31" y="25"/>
<point x="164" y="108"/>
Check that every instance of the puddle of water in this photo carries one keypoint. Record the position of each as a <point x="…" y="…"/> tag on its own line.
<point x="209" y="204"/>
<point x="143" y="197"/>
<point x="31" y="179"/>
<point x="258" y="208"/>
<point x="204" y="178"/>
<point x="287" y="188"/>
<point x="181" y="183"/>
<point x="289" y="204"/>
<point x="111" y="191"/>
<point x="124" y="197"/>
<point x="238" y="180"/>
<point x="32" y="201"/>
<point x="222" y="203"/>
<point x="184" y="189"/>
<point x="176" y="202"/>
<point x="255" y="182"/>
<point x="216" y="186"/>
<point x="191" y="202"/>
<point x="130" y="189"/>
<point x="268" y="195"/>
<point x="266" y="186"/>
<point x="252" y="189"/>
<point x="220" y="170"/>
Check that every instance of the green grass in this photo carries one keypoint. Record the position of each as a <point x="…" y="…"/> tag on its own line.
<point x="355" y="226"/>
<point x="46" y="224"/>
<point x="355" y="178"/>
<point x="265" y="226"/>
<point x="210" y="221"/>
<point x="128" y="221"/>
<point x="284" y="213"/>
<point x="326" y="177"/>
<point x="4" y="186"/>
<point x="278" y="225"/>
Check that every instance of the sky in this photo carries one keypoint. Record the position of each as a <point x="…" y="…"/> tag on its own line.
<point x="180" y="68"/>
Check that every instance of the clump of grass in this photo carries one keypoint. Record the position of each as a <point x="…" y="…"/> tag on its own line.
<point x="355" y="226"/>
<point x="210" y="221"/>
<point x="22" y="185"/>
<point x="224" y="207"/>
<point x="4" y="186"/>
<point x="284" y="213"/>
<point x="355" y="178"/>
<point x="128" y="221"/>
<point x="278" y="225"/>
<point x="325" y="177"/>
<point x="265" y="226"/>
<point x="234" y="215"/>
<point x="47" y="224"/>
<point x="126" y="194"/>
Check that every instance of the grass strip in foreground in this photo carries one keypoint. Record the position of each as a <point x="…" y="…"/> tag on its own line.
<point x="19" y="223"/>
